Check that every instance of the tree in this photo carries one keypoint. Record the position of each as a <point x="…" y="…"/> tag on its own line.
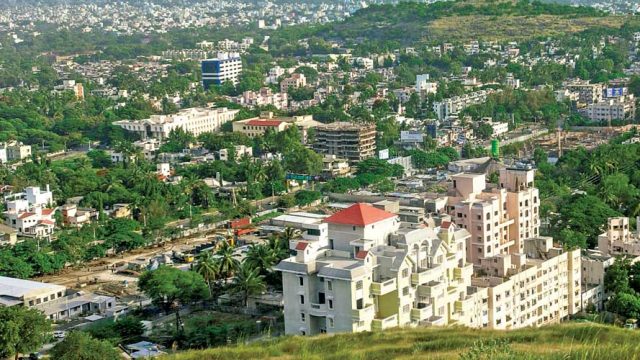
<point x="129" y="327"/>
<point x="209" y="268"/>
<point x="22" y="330"/>
<point x="625" y="304"/>
<point x="247" y="282"/>
<point x="228" y="263"/>
<point x="261" y="258"/>
<point x="616" y="278"/>
<point x="170" y="288"/>
<point x="484" y="131"/>
<point x="79" y="345"/>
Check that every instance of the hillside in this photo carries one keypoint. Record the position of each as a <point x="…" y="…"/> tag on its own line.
<point x="409" y="23"/>
<point x="566" y="341"/>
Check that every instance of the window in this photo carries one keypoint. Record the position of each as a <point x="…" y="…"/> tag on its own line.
<point x="330" y="243"/>
<point x="303" y="317"/>
<point x="329" y="285"/>
<point x="405" y="273"/>
<point x="405" y="291"/>
<point x="359" y="304"/>
<point x="321" y="298"/>
<point x="301" y="280"/>
<point x="406" y="309"/>
<point x="330" y="321"/>
<point x="354" y="228"/>
<point x="302" y="299"/>
<point x="330" y="304"/>
<point x="359" y="285"/>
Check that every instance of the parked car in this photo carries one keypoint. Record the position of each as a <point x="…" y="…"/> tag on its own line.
<point x="59" y="334"/>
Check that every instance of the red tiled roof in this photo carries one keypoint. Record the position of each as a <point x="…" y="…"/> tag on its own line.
<point x="359" y="214"/>
<point x="25" y="215"/>
<point x="46" y="222"/>
<point x="362" y="254"/>
<point x="272" y="123"/>
<point x="47" y="211"/>
<point x="302" y="245"/>
<point x="445" y="224"/>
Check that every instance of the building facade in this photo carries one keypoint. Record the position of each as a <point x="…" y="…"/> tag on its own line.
<point x="225" y="67"/>
<point x="194" y="120"/>
<point x="353" y="142"/>
<point x="481" y="265"/>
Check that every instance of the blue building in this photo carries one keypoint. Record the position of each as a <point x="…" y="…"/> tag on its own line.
<point x="226" y="67"/>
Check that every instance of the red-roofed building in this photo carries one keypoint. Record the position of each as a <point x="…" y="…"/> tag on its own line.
<point x="258" y="126"/>
<point x="28" y="213"/>
<point x="360" y="222"/>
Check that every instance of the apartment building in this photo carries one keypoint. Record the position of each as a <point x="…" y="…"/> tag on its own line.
<point x="225" y="67"/>
<point x="375" y="274"/>
<point x="425" y="87"/>
<point x="587" y="93"/>
<point x="615" y="108"/>
<point x="267" y="120"/>
<point x="14" y="151"/>
<point x="619" y="239"/>
<point x="594" y="267"/>
<point x="31" y="212"/>
<point x="294" y="81"/>
<point x="265" y="96"/>
<point x="376" y="271"/>
<point x="540" y="286"/>
<point x="456" y="104"/>
<point x="70" y="85"/>
<point x="354" y="142"/>
<point x="194" y="120"/>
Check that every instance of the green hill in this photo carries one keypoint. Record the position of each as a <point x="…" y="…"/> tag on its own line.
<point x="566" y="341"/>
<point x="412" y="23"/>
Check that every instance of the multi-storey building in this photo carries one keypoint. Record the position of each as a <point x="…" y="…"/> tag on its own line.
<point x="425" y="87"/>
<point x="14" y="151"/>
<point x="265" y="96"/>
<point x="587" y="93"/>
<point x="615" y="108"/>
<point x="456" y="104"/>
<point x="619" y="239"/>
<point x="294" y="81"/>
<point x="353" y="142"/>
<point x="374" y="274"/>
<point x="376" y="271"/>
<point x="194" y="120"/>
<point x="31" y="212"/>
<point x="226" y="67"/>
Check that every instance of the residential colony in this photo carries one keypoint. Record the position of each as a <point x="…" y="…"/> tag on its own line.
<point x="479" y="261"/>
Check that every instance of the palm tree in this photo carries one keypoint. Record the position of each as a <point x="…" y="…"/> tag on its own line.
<point x="279" y="247"/>
<point x="247" y="282"/>
<point x="209" y="268"/>
<point x="260" y="257"/>
<point x="228" y="263"/>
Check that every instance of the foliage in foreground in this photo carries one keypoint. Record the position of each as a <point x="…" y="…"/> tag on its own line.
<point x="567" y="341"/>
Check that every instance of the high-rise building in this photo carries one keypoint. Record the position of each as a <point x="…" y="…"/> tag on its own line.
<point x="353" y="142"/>
<point x="226" y="67"/>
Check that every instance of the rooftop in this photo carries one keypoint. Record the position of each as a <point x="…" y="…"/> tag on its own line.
<point x="18" y="288"/>
<point x="359" y="214"/>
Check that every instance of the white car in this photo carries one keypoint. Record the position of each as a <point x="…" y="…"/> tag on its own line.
<point x="59" y="334"/>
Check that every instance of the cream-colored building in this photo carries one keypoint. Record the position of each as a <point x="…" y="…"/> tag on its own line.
<point x="481" y="265"/>
<point x="619" y="239"/>
<point x="194" y="120"/>
<point x="376" y="274"/>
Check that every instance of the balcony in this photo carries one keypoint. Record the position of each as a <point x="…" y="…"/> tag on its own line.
<point x="383" y="288"/>
<point x="366" y="313"/>
<point x="386" y="323"/>
<point x="318" y="309"/>
<point x="424" y="276"/>
<point x="464" y="272"/>
<point x="432" y="289"/>
<point x="421" y="314"/>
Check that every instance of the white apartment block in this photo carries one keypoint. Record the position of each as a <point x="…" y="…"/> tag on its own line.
<point x="31" y="212"/>
<point x="425" y="87"/>
<point x="14" y="151"/>
<point x="454" y="105"/>
<point x="225" y="67"/>
<point x="265" y="96"/>
<point x="587" y="93"/>
<point x="374" y="272"/>
<point x="618" y="108"/>
<point x="194" y="120"/>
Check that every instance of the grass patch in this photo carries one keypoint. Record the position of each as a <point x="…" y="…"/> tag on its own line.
<point x="565" y="341"/>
